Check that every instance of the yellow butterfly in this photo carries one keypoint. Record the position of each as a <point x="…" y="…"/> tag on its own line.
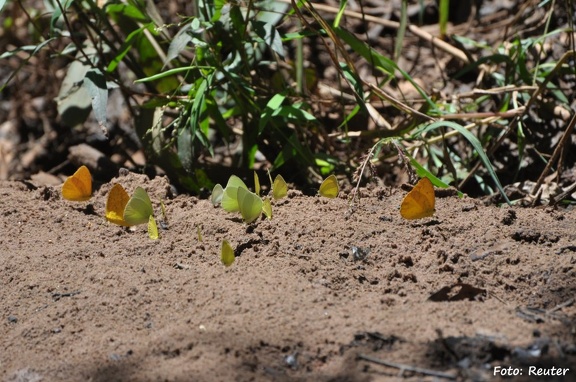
<point x="164" y="221"/>
<point x="267" y="208"/>
<point x="227" y="253"/>
<point x="78" y="187"/>
<point x="199" y="232"/>
<point x="329" y="187"/>
<point x="419" y="203"/>
<point x="153" y="228"/>
<point x="115" y="205"/>
<point x="279" y="188"/>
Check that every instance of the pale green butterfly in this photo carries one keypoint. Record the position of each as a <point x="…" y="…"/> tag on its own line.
<point x="230" y="197"/>
<point x="227" y="253"/>
<point x="279" y="188"/>
<point x="163" y="209"/>
<point x="256" y="184"/>
<point x="250" y="205"/>
<point x="217" y="194"/>
<point x="139" y="208"/>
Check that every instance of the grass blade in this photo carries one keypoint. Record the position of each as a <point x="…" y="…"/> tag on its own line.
<point x="477" y="146"/>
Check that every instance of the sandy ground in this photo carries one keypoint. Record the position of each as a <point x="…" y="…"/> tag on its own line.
<point x="450" y="297"/>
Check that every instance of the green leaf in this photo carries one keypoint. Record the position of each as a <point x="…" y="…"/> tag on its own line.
<point x="65" y="4"/>
<point x="179" y="43"/>
<point x="199" y="105"/>
<point x="171" y="72"/>
<point x="33" y="49"/>
<point x="477" y="146"/>
<point x="127" y="10"/>
<point x="400" y="34"/>
<point x="423" y="173"/>
<point x="384" y="63"/>
<point x="74" y="98"/>
<point x="185" y="149"/>
<point x="273" y="104"/>
<point x="269" y="36"/>
<point x="340" y="13"/>
<point x="443" y="21"/>
<point x="124" y="49"/>
<point x="96" y="85"/>
<point x="295" y="114"/>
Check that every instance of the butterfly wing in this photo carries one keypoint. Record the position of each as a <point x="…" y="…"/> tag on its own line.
<point x="234" y="181"/>
<point x="115" y="204"/>
<point x="229" y="200"/>
<point x="139" y="208"/>
<point x="78" y="187"/>
<point x="329" y="187"/>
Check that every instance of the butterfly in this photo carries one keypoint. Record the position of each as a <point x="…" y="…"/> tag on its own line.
<point x="256" y="183"/>
<point x="152" y="228"/>
<point x="116" y="204"/>
<point x="227" y="254"/>
<point x="217" y="194"/>
<point x="267" y="208"/>
<point x="78" y="187"/>
<point x="139" y="208"/>
<point x="329" y="187"/>
<point x="279" y="188"/>
<point x="229" y="199"/>
<point x="249" y="204"/>
<point x="164" y="221"/>
<point x="419" y="203"/>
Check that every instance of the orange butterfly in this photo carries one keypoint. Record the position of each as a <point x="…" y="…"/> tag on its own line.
<point x="419" y="203"/>
<point x="78" y="187"/>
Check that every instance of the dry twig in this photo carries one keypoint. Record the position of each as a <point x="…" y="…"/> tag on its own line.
<point x="403" y="367"/>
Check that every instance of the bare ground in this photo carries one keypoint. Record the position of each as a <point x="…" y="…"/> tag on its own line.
<point x="473" y="288"/>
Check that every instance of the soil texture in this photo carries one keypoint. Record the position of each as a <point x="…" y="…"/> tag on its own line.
<point x="322" y="292"/>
